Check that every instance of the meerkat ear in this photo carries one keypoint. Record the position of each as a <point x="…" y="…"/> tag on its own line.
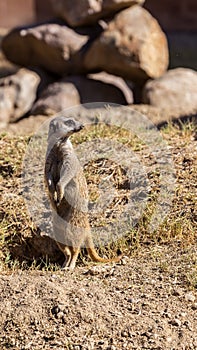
<point x="53" y="126"/>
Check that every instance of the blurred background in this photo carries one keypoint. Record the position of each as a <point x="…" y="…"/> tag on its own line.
<point x="178" y="19"/>
<point x="140" y="53"/>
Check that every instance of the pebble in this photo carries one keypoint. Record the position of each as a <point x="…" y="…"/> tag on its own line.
<point x="124" y="260"/>
<point x="133" y="301"/>
<point x="169" y="339"/>
<point x="188" y="325"/>
<point x="58" y="309"/>
<point x="190" y="297"/>
<point x="194" y="306"/>
<point x="124" y="333"/>
<point x="60" y="314"/>
<point x="112" y="347"/>
<point x="167" y="314"/>
<point x="96" y="270"/>
<point x="176" y="322"/>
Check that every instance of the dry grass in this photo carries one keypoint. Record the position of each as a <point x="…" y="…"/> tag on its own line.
<point x="18" y="233"/>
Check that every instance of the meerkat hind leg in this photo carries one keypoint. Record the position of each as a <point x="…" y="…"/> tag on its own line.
<point x="67" y="253"/>
<point x="74" y="256"/>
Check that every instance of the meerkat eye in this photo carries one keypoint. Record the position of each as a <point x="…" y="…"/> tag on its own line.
<point x="69" y="123"/>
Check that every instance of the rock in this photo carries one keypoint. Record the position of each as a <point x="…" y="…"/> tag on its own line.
<point x="194" y="306"/>
<point x="133" y="46"/>
<point x="190" y="297"/>
<point x="17" y="94"/>
<point x="60" y="314"/>
<point x="74" y="90"/>
<point x="177" y="88"/>
<point x="159" y="116"/>
<point x="55" y="98"/>
<point x="45" y="79"/>
<point x="176" y="322"/>
<point x="7" y="98"/>
<point x="116" y="81"/>
<point x="6" y="67"/>
<point x="80" y="12"/>
<point x="52" y="47"/>
<point x="188" y="325"/>
<point x="124" y="260"/>
<point x="77" y="347"/>
<point x="56" y="309"/>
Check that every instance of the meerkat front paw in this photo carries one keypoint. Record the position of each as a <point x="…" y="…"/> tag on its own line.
<point x="59" y="193"/>
<point x="55" y="197"/>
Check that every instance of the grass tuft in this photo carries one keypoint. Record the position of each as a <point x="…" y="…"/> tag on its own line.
<point x="20" y="239"/>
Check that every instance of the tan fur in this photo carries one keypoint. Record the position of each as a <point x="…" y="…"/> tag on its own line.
<point x="69" y="201"/>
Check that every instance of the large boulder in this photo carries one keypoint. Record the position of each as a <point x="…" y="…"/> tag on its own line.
<point x="74" y="90"/>
<point x="55" y="98"/>
<point x="176" y="89"/>
<point x="133" y="46"/>
<point x="17" y="94"/>
<point x="83" y="12"/>
<point x="6" y="67"/>
<point x="53" y="47"/>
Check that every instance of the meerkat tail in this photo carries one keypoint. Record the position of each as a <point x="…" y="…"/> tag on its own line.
<point x="94" y="255"/>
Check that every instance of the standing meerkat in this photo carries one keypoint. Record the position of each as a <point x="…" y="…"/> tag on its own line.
<point x="68" y="193"/>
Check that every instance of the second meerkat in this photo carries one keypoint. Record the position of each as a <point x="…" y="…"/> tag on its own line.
<point x="68" y="193"/>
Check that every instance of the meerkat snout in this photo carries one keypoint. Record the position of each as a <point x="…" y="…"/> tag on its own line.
<point x="61" y="127"/>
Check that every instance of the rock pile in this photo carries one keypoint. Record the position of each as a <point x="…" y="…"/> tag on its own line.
<point x="132" y="46"/>
<point x="80" y="12"/>
<point x="17" y="94"/>
<point x="117" y="37"/>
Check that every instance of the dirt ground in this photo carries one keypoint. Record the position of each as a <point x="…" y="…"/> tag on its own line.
<point x="145" y="302"/>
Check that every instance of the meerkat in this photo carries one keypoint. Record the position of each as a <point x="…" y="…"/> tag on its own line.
<point x="68" y="193"/>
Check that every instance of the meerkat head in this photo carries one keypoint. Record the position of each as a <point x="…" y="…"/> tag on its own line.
<point x="62" y="127"/>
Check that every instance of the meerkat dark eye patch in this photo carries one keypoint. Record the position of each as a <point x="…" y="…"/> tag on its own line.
<point x="70" y="123"/>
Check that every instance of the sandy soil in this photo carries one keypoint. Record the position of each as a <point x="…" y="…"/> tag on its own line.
<point x="143" y="303"/>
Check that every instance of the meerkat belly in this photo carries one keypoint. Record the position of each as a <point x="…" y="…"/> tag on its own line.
<point x="74" y="205"/>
